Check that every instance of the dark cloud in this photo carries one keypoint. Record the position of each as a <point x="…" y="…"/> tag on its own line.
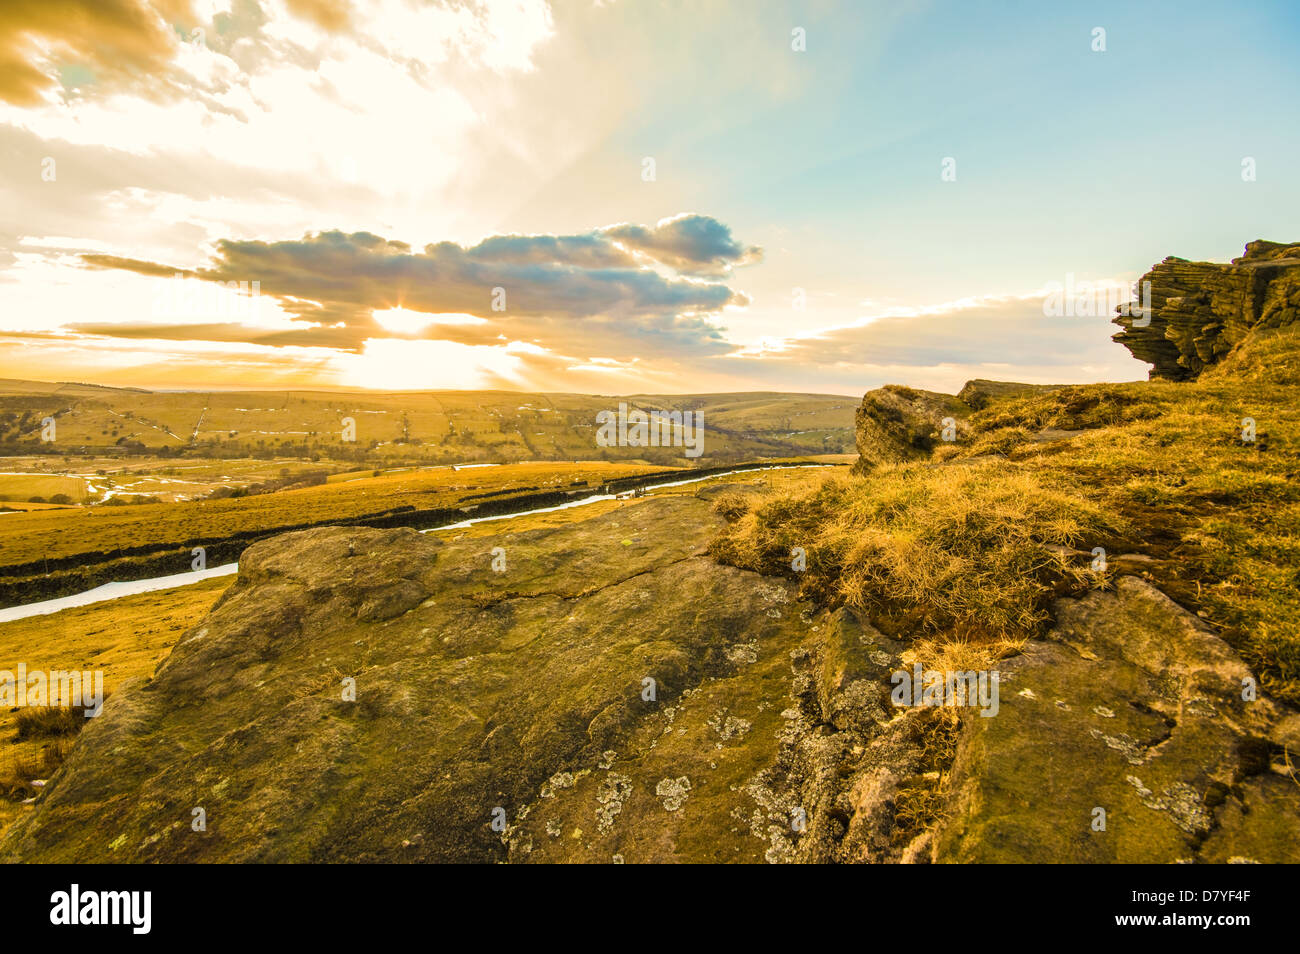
<point x="692" y="244"/>
<point x="555" y="288"/>
<point x="134" y="265"/>
<point x="338" y="338"/>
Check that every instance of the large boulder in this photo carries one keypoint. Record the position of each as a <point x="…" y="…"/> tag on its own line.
<point x="897" y="423"/>
<point x="507" y="714"/>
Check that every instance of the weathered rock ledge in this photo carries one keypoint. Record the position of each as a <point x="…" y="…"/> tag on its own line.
<point x="1130" y="707"/>
<point x="1201" y="310"/>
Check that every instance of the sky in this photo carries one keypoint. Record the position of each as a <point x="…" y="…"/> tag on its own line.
<point x="618" y="196"/>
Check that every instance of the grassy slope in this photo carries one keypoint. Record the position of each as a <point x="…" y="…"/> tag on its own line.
<point x="124" y="638"/>
<point x="960" y="550"/>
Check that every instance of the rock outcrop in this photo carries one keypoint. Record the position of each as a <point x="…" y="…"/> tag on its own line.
<point x="896" y="423"/>
<point x="511" y="716"/>
<point x="518" y="697"/>
<point x="1201" y="310"/>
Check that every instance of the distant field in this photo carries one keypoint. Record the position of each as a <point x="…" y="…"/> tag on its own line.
<point x="427" y="426"/>
<point x="98" y="479"/>
<point x="22" y="487"/>
<point x="199" y="470"/>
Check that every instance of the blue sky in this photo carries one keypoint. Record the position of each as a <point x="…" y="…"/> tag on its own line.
<point x="424" y="123"/>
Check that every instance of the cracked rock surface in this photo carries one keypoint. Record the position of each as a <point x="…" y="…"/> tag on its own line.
<point x="1132" y="706"/>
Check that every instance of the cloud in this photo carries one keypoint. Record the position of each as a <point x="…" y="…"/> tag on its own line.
<point x="694" y="244"/>
<point x="626" y="289"/>
<point x="402" y="119"/>
<point x="58" y="52"/>
<point x="1005" y="337"/>
<point x="121" y="43"/>
<point x="152" y="269"/>
<point x="338" y="338"/>
<point x="331" y="15"/>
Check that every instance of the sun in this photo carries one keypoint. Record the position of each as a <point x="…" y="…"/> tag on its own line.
<point x="388" y="364"/>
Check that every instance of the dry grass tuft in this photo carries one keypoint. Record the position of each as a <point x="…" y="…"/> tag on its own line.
<point x="44" y="722"/>
<point x="963" y="550"/>
<point x="26" y="767"/>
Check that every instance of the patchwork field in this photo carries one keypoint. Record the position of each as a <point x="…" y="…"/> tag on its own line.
<point x="101" y="484"/>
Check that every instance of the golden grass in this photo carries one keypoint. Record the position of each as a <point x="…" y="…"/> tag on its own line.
<point x="920" y="800"/>
<point x="957" y="542"/>
<point x="963" y="550"/>
<point x="126" y="638"/>
<point x="1225" y="512"/>
<point x="961" y="653"/>
<point x="25" y="766"/>
<point x="47" y="722"/>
